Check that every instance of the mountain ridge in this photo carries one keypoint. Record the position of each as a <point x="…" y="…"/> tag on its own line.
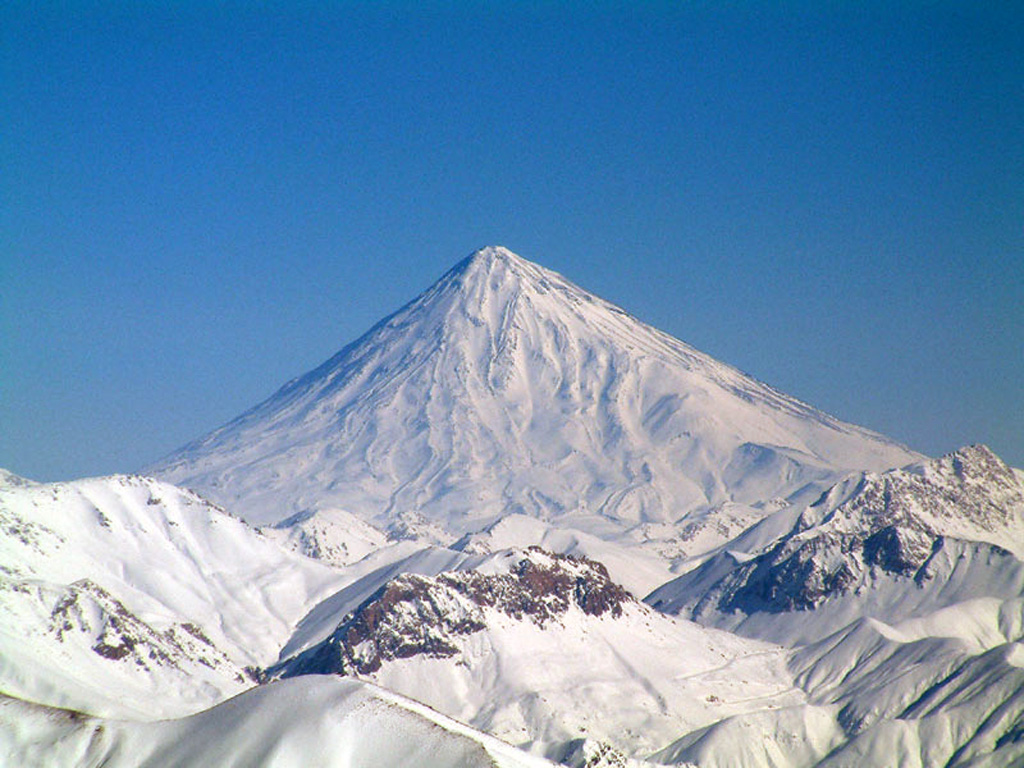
<point x="144" y="586"/>
<point x="894" y="546"/>
<point x="541" y="650"/>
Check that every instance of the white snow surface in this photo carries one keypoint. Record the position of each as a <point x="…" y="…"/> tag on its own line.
<point x="638" y="569"/>
<point x="320" y="721"/>
<point x="331" y="535"/>
<point x="125" y="596"/>
<point x="635" y="681"/>
<point x="877" y="698"/>
<point x="504" y="388"/>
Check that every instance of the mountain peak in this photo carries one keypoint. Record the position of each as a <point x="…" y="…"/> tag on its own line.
<point x="978" y="462"/>
<point x="491" y="254"/>
<point x="505" y="388"/>
<point x="492" y="267"/>
<point x="416" y="615"/>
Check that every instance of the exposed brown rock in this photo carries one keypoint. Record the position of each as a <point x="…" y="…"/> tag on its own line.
<point x="415" y="615"/>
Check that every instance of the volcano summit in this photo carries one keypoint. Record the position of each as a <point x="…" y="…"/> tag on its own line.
<point x="504" y="388"/>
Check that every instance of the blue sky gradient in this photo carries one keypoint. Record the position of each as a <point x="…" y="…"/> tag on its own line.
<point x="197" y="204"/>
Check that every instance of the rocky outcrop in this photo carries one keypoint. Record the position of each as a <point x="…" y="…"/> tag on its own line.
<point x="893" y="524"/>
<point x="971" y="492"/>
<point x="541" y="586"/>
<point x="416" y="615"/>
<point x="87" y="612"/>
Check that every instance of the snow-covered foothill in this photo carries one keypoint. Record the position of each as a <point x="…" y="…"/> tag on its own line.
<point x="639" y="569"/>
<point x="878" y="699"/>
<point x="334" y="536"/>
<point x="129" y="597"/>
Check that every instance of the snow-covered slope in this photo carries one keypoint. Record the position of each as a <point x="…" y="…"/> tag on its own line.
<point x="503" y="389"/>
<point x="331" y="535"/>
<point x="896" y="546"/>
<point x="638" y="569"/>
<point x="903" y="596"/>
<point x="878" y="697"/>
<point x="314" y="721"/>
<point x="129" y="597"/>
<point x="545" y="651"/>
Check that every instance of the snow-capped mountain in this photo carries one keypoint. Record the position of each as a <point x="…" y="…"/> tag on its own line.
<point x="504" y="389"/>
<point x="821" y="595"/>
<point x="545" y="651"/>
<point x="893" y="546"/>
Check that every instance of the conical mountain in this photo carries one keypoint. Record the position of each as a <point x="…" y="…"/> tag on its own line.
<point x="504" y="388"/>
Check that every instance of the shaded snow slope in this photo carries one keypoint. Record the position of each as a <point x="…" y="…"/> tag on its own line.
<point x="127" y="596"/>
<point x="878" y="698"/>
<point x="504" y="388"/>
<point x="546" y="651"/>
<point x="313" y="721"/>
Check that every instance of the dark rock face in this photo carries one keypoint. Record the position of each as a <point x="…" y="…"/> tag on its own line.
<point x="409" y="616"/>
<point x="799" y="575"/>
<point x="782" y="580"/>
<point x="541" y="591"/>
<point x="897" y="551"/>
<point x="86" y="609"/>
<point x="419" y="616"/>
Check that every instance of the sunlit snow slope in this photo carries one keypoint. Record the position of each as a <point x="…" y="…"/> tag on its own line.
<point x="314" y="721"/>
<point x="503" y="389"/>
<point x="128" y="597"/>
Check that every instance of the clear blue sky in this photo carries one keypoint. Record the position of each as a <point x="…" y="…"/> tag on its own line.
<point x="199" y="204"/>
